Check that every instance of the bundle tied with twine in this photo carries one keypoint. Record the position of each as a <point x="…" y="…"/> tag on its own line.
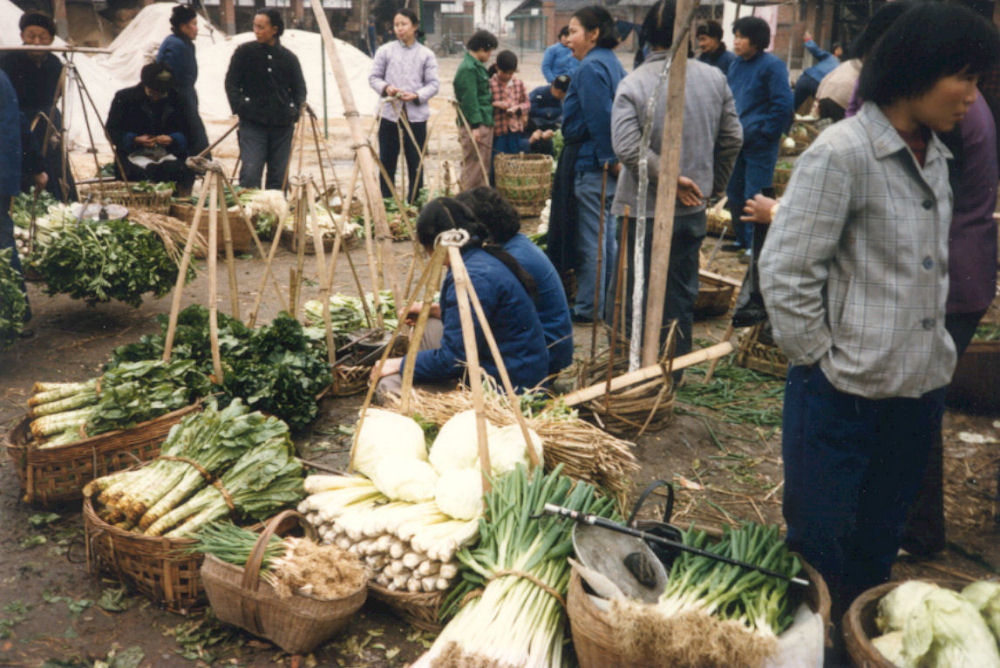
<point x="172" y="231"/>
<point x="325" y="572"/>
<point x="691" y="640"/>
<point x="586" y="452"/>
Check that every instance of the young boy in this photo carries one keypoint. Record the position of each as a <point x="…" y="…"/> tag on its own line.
<point x="472" y="90"/>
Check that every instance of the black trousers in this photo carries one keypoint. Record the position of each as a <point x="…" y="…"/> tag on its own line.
<point x="388" y="153"/>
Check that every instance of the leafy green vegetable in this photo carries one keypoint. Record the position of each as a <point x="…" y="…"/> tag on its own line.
<point x="13" y="304"/>
<point x="347" y="314"/>
<point x="103" y="260"/>
<point x="987" y="331"/>
<point x="24" y="204"/>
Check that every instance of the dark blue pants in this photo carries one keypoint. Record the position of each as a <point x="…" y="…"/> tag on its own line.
<point x="753" y="172"/>
<point x="7" y="241"/>
<point x="805" y="88"/>
<point x="261" y="145"/>
<point x="388" y="153"/>
<point x="852" y="470"/>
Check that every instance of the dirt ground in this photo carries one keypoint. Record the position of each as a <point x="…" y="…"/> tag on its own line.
<point x="721" y="452"/>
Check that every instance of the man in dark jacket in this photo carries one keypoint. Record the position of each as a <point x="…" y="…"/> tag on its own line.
<point x="266" y="90"/>
<point x="35" y="76"/>
<point x="713" y="49"/>
<point x="545" y="116"/>
<point x="148" y="126"/>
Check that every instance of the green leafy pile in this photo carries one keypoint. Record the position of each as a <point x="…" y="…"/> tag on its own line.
<point x="278" y="368"/>
<point x="25" y="204"/>
<point x="98" y="261"/>
<point x="347" y="314"/>
<point x="12" y="301"/>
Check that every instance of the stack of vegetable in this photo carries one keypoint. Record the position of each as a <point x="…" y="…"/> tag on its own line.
<point x="736" y="613"/>
<point x="328" y="222"/>
<point x="103" y="260"/>
<point x="13" y="304"/>
<point x="121" y="398"/>
<point x="279" y="368"/>
<point x="407" y="546"/>
<point x="290" y="565"/>
<point x="521" y="569"/>
<point x="926" y="625"/>
<point x="213" y="464"/>
<point x="347" y="314"/>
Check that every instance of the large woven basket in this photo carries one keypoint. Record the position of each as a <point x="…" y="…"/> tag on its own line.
<point x="118" y="192"/>
<point x="780" y="180"/>
<point x="525" y="179"/>
<point x="758" y="354"/>
<point x="594" y="636"/>
<point x="55" y="475"/>
<point x="242" y="240"/>
<point x="419" y="609"/>
<point x="298" y="624"/>
<point x="859" y="625"/>
<point x="714" y="298"/>
<point x="717" y="222"/>
<point x="162" y="569"/>
<point x="631" y="411"/>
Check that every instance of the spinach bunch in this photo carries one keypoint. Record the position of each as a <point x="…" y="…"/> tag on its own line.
<point x="12" y="301"/>
<point x="103" y="260"/>
<point x="24" y="204"/>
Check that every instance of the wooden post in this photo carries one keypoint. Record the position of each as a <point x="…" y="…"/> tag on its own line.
<point x="368" y="169"/>
<point x="62" y="23"/>
<point x="666" y="190"/>
<point x="228" y="16"/>
<point x="213" y="288"/>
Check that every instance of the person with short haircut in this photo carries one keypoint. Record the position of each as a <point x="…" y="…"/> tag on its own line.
<point x="808" y="82"/>
<point x="510" y="105"/>
<point x="472" y="92"/>
<point x="588" y="166"/>
<point x="764" y="101"/>
<point x="558" y="58"/>
<point x="505" y="291"/>
<point x="177" y="53"/>
<point x="545" y="116"/>
<point x="266" y="90"/>
<point x="35" y="77"/>
<point x="855" y="278"/>
<point x="713" y="49"/>
<point x="504" y="226"/>
<point x="711" y="140"/>
<point x="148" y="126"/>
<point x="406" y="72"/>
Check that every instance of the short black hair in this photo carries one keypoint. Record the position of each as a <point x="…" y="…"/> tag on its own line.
<point x="597" y="18"/>
<point x="181" y="15"/>
<point x="877" y="25"/>
<point x="482" y="40"/>
<point x="157" y="76"/>
<point x="754" y="29"/>
<point x="507" y="61"/>
<point x="561" y="82"/>
<point x="712" y="29"/>
<point x="928" y="42"/>
<point x="37" y="19"/>
<point x="658" y="26"/>
<point x="274" y="16"/>
<point x="408" y="13"/>
<point x="563" y="32"/>
<point x="494" y="211"/>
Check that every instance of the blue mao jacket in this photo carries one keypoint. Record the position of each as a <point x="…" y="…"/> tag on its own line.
<point x="511" y="316"/>
<point x="587" y="109"/>
<point x="826" y="62"/>
<point x="10" y="139"/>
<point x="546" y="110"/>
<point x="763" y="97"/>
<point x="558" y="59"/>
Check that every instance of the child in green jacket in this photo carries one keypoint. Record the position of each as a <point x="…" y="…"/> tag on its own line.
<point x="472" y="91"/>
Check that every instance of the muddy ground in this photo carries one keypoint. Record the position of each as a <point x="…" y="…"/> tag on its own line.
<point x="721" y="451"/>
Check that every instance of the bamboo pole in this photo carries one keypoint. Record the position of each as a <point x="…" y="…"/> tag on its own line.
<point x="666" y="191"/>
<point x="368" y="169"/>
<point x="213" y="265"/>
<point x="646" y="373"/>
<point x="227" y="239"/>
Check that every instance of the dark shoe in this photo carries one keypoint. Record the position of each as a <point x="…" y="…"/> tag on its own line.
<point x="27" y="333"/>
<point x="581" y="320"/>
<point x="732" y="248"/>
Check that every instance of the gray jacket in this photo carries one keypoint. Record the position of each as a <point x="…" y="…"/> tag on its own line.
<point x="712" y="132"/>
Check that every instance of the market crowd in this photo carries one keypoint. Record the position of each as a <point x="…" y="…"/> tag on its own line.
<point x="872" y="271"/>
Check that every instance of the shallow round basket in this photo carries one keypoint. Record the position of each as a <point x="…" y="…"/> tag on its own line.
<point x="525" y="179"/>
<point x="119" y="192"/>
<point x="419" y="609"/>
<point x="647" y="406"/>
<point x="714" y="298"/>
<point x="594" y="635"/>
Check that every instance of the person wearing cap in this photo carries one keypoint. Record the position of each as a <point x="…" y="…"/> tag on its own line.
<point x="713" y="49"/>
<point x="148" y="127"/>
<point x="545" y="116"/>
<point x="266" y="90"/>
<point x="35" y="78"/>
<point x="177" y="53"/>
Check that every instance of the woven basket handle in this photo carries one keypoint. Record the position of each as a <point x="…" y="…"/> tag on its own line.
<point x="280" y="524"/>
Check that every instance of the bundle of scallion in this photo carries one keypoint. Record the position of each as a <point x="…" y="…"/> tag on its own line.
<point x="123" y="397"/>
<point x="249" y="454"/>
<point x="521" y="566"/>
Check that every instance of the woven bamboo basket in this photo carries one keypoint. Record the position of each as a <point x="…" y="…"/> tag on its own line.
<point x="594" y="636"/>
<point x="525" y="179"/>
<point x="419" y="609"/>
<point x="761" y="355"/>
<point x="859" y="625"/>
<point x="118" y="192"/>
<point x="298" y="624"/>
<point x="349" y="380"/>
<point x="288" y="241"/>
<point x="160" y="568"/>
<point x="780" y="180"/>
<point x="977" y="376"/>
<point x="714" y="297"/>
<point x="242" y="240"/>
<point x="716" y="222"/>
<point x="56" y="475"/>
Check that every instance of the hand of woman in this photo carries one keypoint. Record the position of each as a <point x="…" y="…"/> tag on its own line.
<point x="164" y="140"/>
<point x="390" y="91"/>
<point x="407" y="97"/>
<point x="758" y="209"/>
<point x="391" y="366"/>
<point x="688" y="192"/>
